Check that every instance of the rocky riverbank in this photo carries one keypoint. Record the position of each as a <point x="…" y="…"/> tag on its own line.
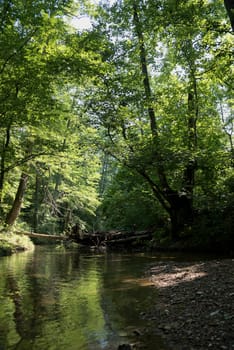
<point x="195" y="305"/>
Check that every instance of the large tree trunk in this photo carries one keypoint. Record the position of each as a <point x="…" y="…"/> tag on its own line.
<point x="16" y="207"/>
<point x="181" y="214"/>
<point x="178" y="205"/>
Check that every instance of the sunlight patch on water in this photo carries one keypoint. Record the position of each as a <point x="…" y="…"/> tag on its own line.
<point x="142" y="282"/>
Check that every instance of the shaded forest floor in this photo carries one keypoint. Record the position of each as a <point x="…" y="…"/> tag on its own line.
<point x="195" y="305"/>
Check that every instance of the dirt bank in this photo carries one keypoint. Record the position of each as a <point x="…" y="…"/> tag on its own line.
<point x="195" y="305"/>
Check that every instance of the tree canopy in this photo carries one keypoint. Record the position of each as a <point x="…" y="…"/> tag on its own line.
<point x="129" y="122"/>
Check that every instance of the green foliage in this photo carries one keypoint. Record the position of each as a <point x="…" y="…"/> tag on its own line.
<point x="128" y="204"/>
<point x="182" y="49"/>
<point x="133" y="117"/>
<point x="42" y="129"/>
<point x="11" y="243"/>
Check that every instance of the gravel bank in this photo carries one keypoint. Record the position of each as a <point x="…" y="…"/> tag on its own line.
<point x="195" y="305"/>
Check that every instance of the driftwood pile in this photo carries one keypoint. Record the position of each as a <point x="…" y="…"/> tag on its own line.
<point x="118" y="239"/>
<point x="111" y="238"/>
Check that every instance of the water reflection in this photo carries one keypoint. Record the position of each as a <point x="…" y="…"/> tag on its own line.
<point x="52" y="299"/>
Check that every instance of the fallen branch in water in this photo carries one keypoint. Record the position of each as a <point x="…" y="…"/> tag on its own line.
<point x="41" y="235"/>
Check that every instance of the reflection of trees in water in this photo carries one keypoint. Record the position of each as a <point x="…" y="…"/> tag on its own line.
<point x="25" y="293"/>
<point x="56" y="298"/>
<point x="16" y="297"/>
<point x="22" y="322"/>
<point x="34" y="296"/>
<point x="68" y="300"/>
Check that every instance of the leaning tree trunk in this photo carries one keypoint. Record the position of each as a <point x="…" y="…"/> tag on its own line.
<point x="179" y="205"/>
<point x="16" y="207"/>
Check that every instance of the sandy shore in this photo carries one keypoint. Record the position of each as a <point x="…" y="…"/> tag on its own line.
<point x="195" y="305"/>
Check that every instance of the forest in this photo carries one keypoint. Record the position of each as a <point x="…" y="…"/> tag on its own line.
<point x="126" y="124"/>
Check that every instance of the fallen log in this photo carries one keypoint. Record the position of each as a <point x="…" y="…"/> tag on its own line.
<point x="89" y="239"/>
<point x="136" y="239"/>
<point x="108" y="239"/>
<point x="111" y="238"/>
<point x="41" y="235"/>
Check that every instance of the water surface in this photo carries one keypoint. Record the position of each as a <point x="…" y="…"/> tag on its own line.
<point x="55" y="299"/>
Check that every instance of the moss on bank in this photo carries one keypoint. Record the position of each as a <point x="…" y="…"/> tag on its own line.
<point x="11" y="243"/>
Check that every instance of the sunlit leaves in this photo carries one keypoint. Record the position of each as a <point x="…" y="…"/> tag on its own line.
<point x="41" y="63"/>
<point x="188" y="49"/>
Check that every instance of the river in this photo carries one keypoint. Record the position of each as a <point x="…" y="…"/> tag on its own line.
<point x="53" y="299"/>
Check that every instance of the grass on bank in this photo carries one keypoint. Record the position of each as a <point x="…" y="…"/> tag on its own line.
<point x="11" y="243"/>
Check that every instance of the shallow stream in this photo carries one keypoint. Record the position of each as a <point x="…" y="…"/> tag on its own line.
<point x="56" y="299"/>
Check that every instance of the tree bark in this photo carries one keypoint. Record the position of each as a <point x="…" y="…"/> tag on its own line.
<point x="16" y="207"/>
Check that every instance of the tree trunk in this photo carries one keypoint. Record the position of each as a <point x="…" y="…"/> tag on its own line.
<point x="16" y="207"/>
<point x="178" y="204"/>
<point x="181" y="214"/>
<point x="104" y="174"/>
<point x="2" y="163"/>
<point x="144" y="69"/>
<point x="149" y="99"/>
<point x="36" y="204"/>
